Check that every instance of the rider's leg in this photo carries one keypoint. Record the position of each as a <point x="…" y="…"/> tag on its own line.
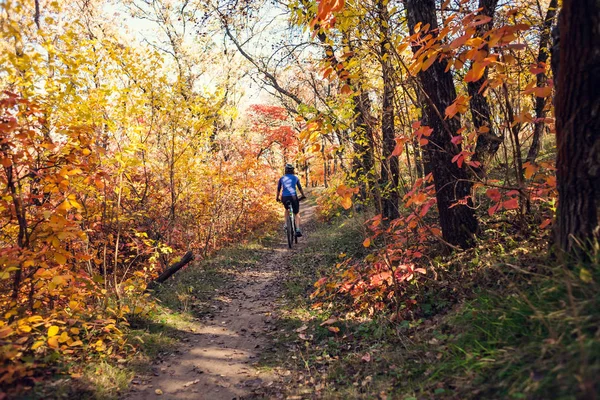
<point x="297" y="220"/>
<point x="287" y="215"/>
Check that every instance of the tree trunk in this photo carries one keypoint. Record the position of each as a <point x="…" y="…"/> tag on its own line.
<point x="578" y="127"/>
<point x="452" y="184"/>
<point x="488" y="143"/>
<point x="542" y="78"/>
<point x="364" y="147"/>
<point x="389" y="165"/>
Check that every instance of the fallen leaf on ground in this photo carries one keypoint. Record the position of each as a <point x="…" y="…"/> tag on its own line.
<point x="330" y="321"/>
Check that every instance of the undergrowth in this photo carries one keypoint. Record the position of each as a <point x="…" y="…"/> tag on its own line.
<point x="499" y="321"/>
<point x="158" y="331"/>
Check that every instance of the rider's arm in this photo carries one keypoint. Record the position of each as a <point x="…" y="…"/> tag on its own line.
<point x="300" y="187"/>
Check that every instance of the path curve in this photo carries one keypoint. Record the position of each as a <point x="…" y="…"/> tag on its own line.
<point x="217" y="356"/>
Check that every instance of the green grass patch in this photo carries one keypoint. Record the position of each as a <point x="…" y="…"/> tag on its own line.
<point x="500" y="321"/>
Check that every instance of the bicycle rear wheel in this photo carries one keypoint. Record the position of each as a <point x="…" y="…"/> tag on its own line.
<point x="289" y="232"/>
<point x="295" y="236"/>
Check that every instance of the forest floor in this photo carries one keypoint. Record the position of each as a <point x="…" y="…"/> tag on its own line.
<point x="218" y="354"/>
<point x="499" y="321"/>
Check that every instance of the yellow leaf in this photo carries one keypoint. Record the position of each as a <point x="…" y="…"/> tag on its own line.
<point x="76" y="343"/>
<point x="75" y="331"/>
<point x="367" y="242"/>
<point x="53" y="342"/>
<point x="346" y="202"/>
<point x="25" y="328"/>
<point x="53" y="331"/>
<point x="64" y="206"/>
<point x="585" y="275"/>
<point x="61" y="259"/>
<point x="37" y="344"/>
<point x="63" y="337"/>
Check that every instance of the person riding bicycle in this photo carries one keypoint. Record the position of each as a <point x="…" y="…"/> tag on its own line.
<point x="288" y="183"/>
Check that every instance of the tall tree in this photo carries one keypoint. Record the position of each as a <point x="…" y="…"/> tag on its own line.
<point x="452" y="184"/>
<point x="578" y="126"/>
<point x="488" y="142"/>
<point x="389" y="165"/>
<point x="540" y="102"/>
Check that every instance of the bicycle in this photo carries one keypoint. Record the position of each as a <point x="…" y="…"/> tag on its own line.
<point x="290" y="225"/>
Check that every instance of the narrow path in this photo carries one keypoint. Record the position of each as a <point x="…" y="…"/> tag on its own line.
<point x="217" y="358"/>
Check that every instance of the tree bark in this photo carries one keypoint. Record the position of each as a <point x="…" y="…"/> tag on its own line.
<point x="389" y="165"/>
<point x="578" y="128"/>
<point x="542" y="78"/>
<point x="459" y="224"/>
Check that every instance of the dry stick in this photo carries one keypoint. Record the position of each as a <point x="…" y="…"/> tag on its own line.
<point x="189" y="256"/>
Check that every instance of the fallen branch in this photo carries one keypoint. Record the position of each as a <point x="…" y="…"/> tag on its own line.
<point x="189" y="256"/>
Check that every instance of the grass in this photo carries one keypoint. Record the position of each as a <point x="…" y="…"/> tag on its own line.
<point x="501" y="321"/>
<point x="179" y="303"/>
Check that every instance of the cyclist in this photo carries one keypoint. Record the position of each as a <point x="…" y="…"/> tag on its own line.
<point x="288" y="183"/>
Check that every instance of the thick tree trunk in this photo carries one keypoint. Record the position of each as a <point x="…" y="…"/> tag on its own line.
<point x="542" y="78"/>
<point x="578" y="127"/>
<point x="452" y="184"/>
<point x="389" y="165"/>
<point x="488" y="143"/>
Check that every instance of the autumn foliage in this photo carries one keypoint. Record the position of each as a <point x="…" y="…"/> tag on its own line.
<point x="112" y="168"/>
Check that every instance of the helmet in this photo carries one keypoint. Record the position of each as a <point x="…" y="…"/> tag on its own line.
<point x="289" y="168"/>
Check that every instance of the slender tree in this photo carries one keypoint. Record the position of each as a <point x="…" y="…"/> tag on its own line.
<point x="540" y="102"/>
<point x="488" y="142"/>
<point x="389" y="165"/>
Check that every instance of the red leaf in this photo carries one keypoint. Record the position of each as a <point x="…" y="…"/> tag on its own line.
<point x="492" y="210"/>
<point x="511" y="204"/>
<point x="493" y="194"/>
<point x="480" y="20"/>
<point x="457" y="140"/>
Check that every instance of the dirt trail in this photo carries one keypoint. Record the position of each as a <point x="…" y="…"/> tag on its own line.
<point x="216" y="359"/>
